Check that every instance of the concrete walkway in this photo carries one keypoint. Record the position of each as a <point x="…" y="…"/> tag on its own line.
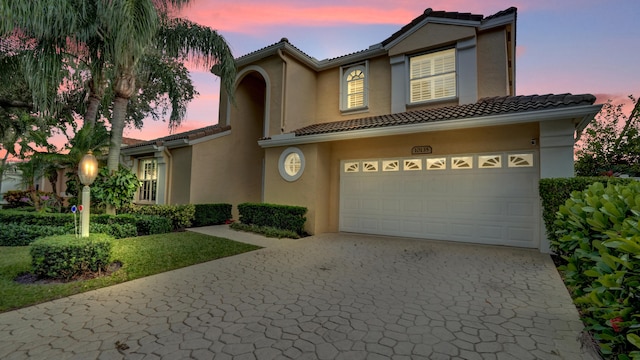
<point x="333" y="296"/>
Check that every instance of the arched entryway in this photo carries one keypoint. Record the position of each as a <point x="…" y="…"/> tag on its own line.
<point x="248" y="124"/>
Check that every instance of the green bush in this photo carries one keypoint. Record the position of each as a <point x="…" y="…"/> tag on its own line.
<point x="599" y="237"/>
<point x="266" y="231"/>
<point x="118" y="231"/>
<point x="271" y="215"/>
<point x="555" y="191"/>
<point x="211" y="214"/>
<point x="16" y="234"/>
<point x="153" y="224"/>
<point x="181" y="216"/>
<point x="143" y="224"/>
<point x="35" y="218"/>
<point x="66" y="256"/>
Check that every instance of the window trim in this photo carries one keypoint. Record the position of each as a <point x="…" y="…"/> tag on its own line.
<point x="344" y="95"/>
<point x="455" y="75"/>
<point x="282" y="163"/>
<point x="153" y="195"/>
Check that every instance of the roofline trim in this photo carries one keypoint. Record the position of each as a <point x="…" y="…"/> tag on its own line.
<point x="210" y="137"/>
<point x="317" y="65"/>
<point x="434" y="20"/>
<point x="583" y="114"/>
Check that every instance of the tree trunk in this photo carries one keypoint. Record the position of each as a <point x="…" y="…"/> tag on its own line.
<point x="92" y="111"/>
<point x="96" y="93"/>
<point x="124" y="88"/>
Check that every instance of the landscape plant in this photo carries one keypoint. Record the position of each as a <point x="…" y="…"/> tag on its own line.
<point x="600" y="242"/>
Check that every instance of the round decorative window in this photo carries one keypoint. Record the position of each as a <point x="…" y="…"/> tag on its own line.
<point x="291" y="164"/>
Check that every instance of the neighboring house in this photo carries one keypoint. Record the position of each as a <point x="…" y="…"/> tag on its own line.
<point x="420" y="135"/>
<point x="11" y="180"/>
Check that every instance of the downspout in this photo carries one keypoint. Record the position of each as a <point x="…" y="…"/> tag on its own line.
<point x="170" y="177"/>
<point x="283" y="100"/>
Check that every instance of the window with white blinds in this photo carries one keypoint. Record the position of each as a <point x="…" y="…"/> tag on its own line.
<point x="433" y="76"/>
<point x="354" y="87"/>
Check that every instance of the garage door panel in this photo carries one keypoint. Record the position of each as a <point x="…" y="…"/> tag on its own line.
<point x="493" y="205"/>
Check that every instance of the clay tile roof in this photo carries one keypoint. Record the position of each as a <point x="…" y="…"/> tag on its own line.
<point x="484" y="107"/>
<point x="187" y="135"/>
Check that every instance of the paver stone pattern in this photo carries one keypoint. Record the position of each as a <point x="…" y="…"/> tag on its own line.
<point x="333" y="296"/>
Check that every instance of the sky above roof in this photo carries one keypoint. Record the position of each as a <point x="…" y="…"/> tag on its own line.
<point x="576" y="46"/>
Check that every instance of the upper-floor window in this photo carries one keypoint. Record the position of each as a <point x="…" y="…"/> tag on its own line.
<point x="432" y="76"/>
<point x="354" y="88"/>
<point x="148" y="174"/>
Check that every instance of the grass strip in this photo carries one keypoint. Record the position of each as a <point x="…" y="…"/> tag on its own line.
<point x="141" y="256"/>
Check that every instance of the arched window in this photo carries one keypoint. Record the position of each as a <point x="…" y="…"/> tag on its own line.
<point x="354" y="88"/>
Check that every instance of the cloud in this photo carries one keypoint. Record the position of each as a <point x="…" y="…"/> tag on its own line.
<point x="246" y="17"/>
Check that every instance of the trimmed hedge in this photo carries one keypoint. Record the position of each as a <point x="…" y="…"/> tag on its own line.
<point x="278" y="216"/>
<point x="211" y="214"/>
<point x="22" y="234"/>
<point x="35" y="218"/>
<point x="144" y="224"/>
<point x="181" y="216"/>
<point x="14" y="234"/>
<point x="66" y="256"/>
<point x="555" y="191"/>
<point x="600" y="241"/>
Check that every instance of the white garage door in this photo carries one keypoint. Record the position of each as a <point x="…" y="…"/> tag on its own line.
<point x="479" y="198"/>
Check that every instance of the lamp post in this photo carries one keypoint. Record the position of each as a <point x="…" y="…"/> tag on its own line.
<point x="87" y="172"/>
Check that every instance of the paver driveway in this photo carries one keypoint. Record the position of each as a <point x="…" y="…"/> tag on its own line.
<point x="333" y="296"/>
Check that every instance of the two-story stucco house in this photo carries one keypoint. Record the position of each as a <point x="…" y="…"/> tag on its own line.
<point x="421" y="135"/>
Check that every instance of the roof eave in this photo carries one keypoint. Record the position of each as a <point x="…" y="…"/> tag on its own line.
<point x="317" y="65"/>
<point x="581" y="115"/>
<point x="432" y="20"/>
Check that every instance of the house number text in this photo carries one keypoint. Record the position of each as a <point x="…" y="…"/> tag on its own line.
<point x="425" y="149"/>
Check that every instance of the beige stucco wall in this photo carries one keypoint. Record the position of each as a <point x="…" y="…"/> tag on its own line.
<point x="229" y="168"/>
<point x="300" y="102"/>
<point x="179" y="176"/>
<point x="318" y="187"/>
<point x="431" y="36"/>
<point x="311" y="190"/>
<point x="492" y="64"/>
<point x="379" y="85"/>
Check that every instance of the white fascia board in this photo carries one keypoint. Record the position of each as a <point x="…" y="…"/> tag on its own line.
<point x="210" y="137"/>
<point x="499" y="21"/>
<point x="311" y="62"/>
<point x="577" y="112"/>
<point x="139" y="150"/>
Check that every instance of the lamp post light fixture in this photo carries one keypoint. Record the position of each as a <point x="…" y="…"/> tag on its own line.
<point x="87" y="172"/>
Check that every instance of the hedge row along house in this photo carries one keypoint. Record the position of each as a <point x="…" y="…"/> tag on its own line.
<point x="421" y="135"/>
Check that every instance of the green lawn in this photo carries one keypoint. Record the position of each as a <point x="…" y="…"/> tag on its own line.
<point x="141" y="256"/>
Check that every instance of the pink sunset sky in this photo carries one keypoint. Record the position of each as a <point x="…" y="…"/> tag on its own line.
<point x="576" y="46"/>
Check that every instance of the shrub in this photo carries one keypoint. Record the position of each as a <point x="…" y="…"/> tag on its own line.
<point x="266" y="231"/>
<point x="554" y="192"/>
<point x="118" y="231"/>
<point x="277" y="216"/>
<point x="14" y="198"/>
<point x="16" y="234"/>
<point x="152" y="224"/>
<point x="66" y="257"/>
<point x="181" y="215"/>
<point x="142" y="224"/>
<point x="600" y="240"/>
<point x="211" y="214"/>
<point x="35" y="218"/>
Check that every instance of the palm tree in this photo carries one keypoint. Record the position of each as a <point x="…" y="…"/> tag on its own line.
<point x="112" y="36"/>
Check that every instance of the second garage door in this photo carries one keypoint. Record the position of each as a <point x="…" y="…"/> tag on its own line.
<point x="479" y="198"/>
